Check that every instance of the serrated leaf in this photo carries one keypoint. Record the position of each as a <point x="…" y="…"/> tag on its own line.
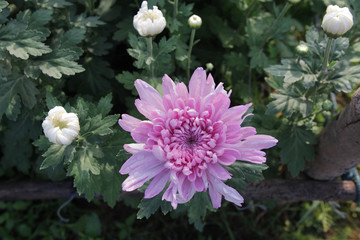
<point x="198" y="209"/>
<point x="54" y="3"/>
<point x="296" y="146"/>
<point x="27" y="43"/>
<point x="148" y="206"/>
<point x="344" y="77"/>
<point x="40" y="17"/>
<point x="60" y="62"/>
<point x="13" y="109"/>
<point x="28" y="91"/>
<point x="258" y="58"/>
<point x="104" y="105"/>
<point x="42" y="143"/>
<point x="244" y="172"/>
<point x="72" y="37"/>
<point x="124" y="27"/>
<point x="83" y="168"/>
<point x="112" y="181"/>
<point x="10" y="89"/>
<point x="92" y="21"/>
<point x="51" y="101"/>
<point x="289" y="99"/>
<point x="128" y="79"/>
<point x="3" y="4"/>
<point x="101" y="126"/>
<point x="53" y="156"/>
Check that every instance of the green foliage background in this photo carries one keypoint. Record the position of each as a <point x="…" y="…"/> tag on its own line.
<point x="85" y="55"/>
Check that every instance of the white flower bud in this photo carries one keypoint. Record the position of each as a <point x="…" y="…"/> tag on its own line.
<point x="302" y="49"/>
<point x="61" y="127"/>
<point x="149" y="22"/>
<point x="337" y="21"/>
<point x="195" y="21"/>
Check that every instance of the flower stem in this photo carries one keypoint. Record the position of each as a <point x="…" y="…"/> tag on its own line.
<point x="175" y="8"/>
<point x="327" y="54"/>
<point x="150" y="52"/>
<point x="271" y="31"/>
<point x="192" y="37"/>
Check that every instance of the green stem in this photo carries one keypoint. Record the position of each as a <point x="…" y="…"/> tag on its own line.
<point x="271" y="31"/>
<point x="228" y="229"/>
<point x="150" y="52"/>
<point x="327" y="54"/>
<point x="192" y="37"/>
<point x="175" y="8"/>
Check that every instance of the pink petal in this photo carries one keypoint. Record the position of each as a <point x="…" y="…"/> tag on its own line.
<point x="197" y="83"/>
<point x="137" y="160"/>
<point x="157" y="184"/>
<point x="221" y="104"/>
<point x="236" y="113"/>
<point x="134" y="147"/>
<point x="215" y="196"/>
<point x="228" y="157"/>
<point x="229" y="193"/>
<point x="216" y="170"/>
<point x="149" y="95"/>
<point x="128" y="122"/>
<point x="131" y="183"/>
<point x="259" y="142"/>
<point x="149" y="111"/>
<point x="168" y="86"/>
<point x="141" y="133"/>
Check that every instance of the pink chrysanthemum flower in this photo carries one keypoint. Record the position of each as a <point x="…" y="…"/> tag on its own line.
<point x="189" y="137"/>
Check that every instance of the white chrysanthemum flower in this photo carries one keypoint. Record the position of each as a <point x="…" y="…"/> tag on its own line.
<point x="337" y="21"/>
<point x="61" y="127"/>
<point x="195" y="21"/>
<point x="149" y="22"/>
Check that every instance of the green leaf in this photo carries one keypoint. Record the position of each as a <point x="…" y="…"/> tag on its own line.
<point x="3" y="4"/>
<point x="344" y="77"/>
<point x="13" y="109"/>
<point x="53" y="156"/>
<point x="290" y="99"/>
<point x="296" y="146"/>
<point x="148" y="206"/>
<point x="243" y="172"/>
<point x="25" y="44"/>
<point x="83" y="21"/>
<point x="293" y="71"/>
<point x="60" y="62"/>
<point x="9" y="91"/>
<point x="258" y="58"/>
<point x="42" y="143"/>
<point x="54" y="3"/>
<point x="83" y="168"/>
<point x="104" y="105"/>
<point x="128" y="79"/>
<point x="125" y="26"/>
<point x="93" y="225"/>
<point x="198" y="209"/>
<point x="101" y="126"/>
<point x="51" y="101"/>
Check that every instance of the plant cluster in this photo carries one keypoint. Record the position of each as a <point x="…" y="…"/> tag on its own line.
<point x="67" y="75"/>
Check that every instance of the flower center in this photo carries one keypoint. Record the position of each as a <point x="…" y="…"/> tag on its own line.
<point x="187" y="138"/>
<point x="58" y="123"/>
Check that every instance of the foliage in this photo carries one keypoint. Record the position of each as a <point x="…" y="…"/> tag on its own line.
<point x="84" y="55"/>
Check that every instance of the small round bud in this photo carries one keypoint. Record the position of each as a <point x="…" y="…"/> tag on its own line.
<point x="195" y="21"/>
<point x="337" y="21"/>
<point x="294" y="1"/>
<point x="327" y="105"/>
<point x="302" y="49"/>
<point x="209" y="66"/>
